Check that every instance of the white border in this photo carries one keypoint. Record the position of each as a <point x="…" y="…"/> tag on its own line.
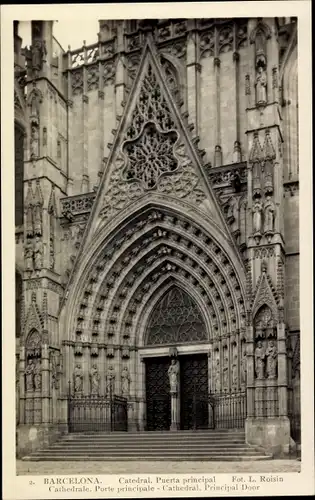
<point x="19" y="487"/>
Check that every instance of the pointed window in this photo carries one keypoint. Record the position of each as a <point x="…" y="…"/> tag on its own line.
<point x="176" y="318"/>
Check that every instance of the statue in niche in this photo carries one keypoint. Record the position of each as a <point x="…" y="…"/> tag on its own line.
<point x="257" y="210"/>
<point x="125" y="382"/>
<point x="95" y="380"/>
<point x="234" y="366"/>
<point x="110" y="380"/>
<point x="38" y="376"/>
<point x="55" y="367"/>
<point x="34" y="105"/>
<point x="269" y="214"/>
<point x="260" y="356"/>
<point x="226" y="372"/>
<point x="173" y="375"/>
<point x="217" y="375"/>
<point x="28" y="255"/>
<point x="37" y="220"/>
<point x="29" y="375"/>
<point x="78" y="379"/>
<point x="34" y="141"/>
<point x="243" y="366"/>
<point x="232" y="213"/>
<point x="38" y="254"/>
<point x="38" y="53"/>
<point x="271" y="355"/>
<point x="261" y="85"/>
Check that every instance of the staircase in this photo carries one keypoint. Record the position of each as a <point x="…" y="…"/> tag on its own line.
<point x="218" y="445"/>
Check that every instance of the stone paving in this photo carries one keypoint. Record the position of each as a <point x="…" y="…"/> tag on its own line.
<point x="40" y="468"/>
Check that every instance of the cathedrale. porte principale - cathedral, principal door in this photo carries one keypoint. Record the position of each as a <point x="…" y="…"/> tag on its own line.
<point x="157" y="238"/>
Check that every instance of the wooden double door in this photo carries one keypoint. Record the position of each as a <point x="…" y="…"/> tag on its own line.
<point x="194" y="412"/>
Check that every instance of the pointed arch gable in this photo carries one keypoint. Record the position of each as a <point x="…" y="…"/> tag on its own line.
<point x="265" y="295"/>
<point x="33" y="320"/>
<point x="150" y="101"/>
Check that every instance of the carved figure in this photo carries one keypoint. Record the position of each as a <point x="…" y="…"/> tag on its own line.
<point x="260" y="355"/>
<point x="234" y="373"/>
<point x="78" y="378"/>
<point x="38" y="254"/>
<point x="233" y="213"/>
<point x="95" y="380"/>
<point x="173" y="374"/>
<point x="38" y="376"/>
<point x="261" y="86"/>
<point x="29" y="375"/>
<point x="125" y="382"/>
<point x="34" y="105"/>
<point x="243" y="367"/>
<point x="110" y="379"/>
<point x="54" y="371"/>
<point x="28" y="255"/>
<point x="257" y="210"/>
<point x="37" y="220"/>
<point x="226" y="373"/>
<point x="34" y="142"/>
<point x="271" y="354"/>
<point x="269" y="212"/>
<point x="38" y="53"/>
<point x="234" y="366"/>
<point x="217" y="375"/>
<point x="29" y="221"/>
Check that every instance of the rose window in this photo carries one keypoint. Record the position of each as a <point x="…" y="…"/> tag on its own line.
<point x="150" y="157"/>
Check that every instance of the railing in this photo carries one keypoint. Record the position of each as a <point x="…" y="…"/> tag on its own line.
<point x="78" y="204"/>
<point x="97" y="413"/>
<point x="228" y="410"/>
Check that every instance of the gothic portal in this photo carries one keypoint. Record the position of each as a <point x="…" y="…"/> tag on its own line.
<point x="157" y="245"/>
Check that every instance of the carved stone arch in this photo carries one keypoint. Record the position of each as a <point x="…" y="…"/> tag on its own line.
<point x="191" y="282"/>
<point x="106" y="238"/>
<point x="190" y="254"/>
<point x="196" y="252"/>
<point x="155" y="295"/>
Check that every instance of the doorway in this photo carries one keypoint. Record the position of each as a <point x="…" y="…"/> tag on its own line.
<point x="194" y="408"/>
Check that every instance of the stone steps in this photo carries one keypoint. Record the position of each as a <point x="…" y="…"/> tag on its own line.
<point x="151" y="446"/>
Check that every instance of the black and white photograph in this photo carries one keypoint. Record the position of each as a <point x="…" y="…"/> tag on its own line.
<point x="157" y="251"/>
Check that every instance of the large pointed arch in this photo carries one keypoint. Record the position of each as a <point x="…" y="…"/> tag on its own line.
<point x="144" y="250"/>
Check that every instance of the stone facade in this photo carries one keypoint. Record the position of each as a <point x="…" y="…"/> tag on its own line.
<point x="164" y="155"/>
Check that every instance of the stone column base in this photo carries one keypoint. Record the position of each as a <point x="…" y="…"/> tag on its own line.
<point x="270" y="433"/>
<point x="30" y="438"/>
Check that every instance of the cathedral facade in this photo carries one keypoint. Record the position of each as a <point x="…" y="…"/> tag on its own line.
<point x="157" y="238"/>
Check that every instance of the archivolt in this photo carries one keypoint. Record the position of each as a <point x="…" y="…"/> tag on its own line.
<point x="141" y="258"/>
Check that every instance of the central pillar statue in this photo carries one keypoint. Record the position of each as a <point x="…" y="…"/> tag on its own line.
<point x="173" y="374"/>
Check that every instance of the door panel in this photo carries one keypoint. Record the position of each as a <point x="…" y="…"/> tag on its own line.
<point x="158" y="394"/>
<point x="194" y="391"/>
